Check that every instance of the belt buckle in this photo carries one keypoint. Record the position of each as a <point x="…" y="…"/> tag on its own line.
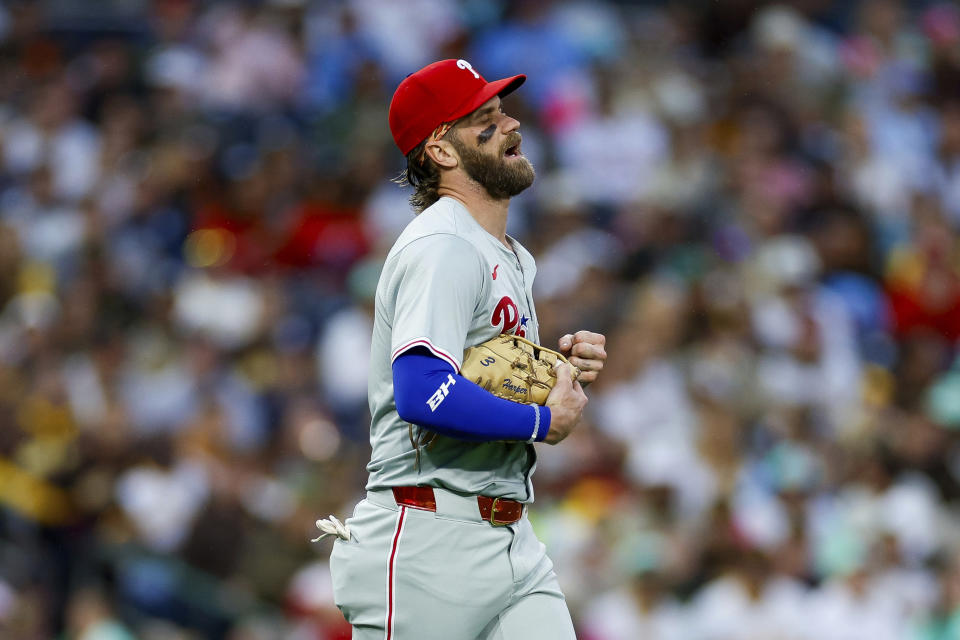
<point x="493" y="514"/>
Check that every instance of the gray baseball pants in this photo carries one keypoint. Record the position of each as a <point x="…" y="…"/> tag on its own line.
<point x="411" y="574"/>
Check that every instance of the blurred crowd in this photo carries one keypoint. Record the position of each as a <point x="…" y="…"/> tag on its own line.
<point x="756" y="202"/>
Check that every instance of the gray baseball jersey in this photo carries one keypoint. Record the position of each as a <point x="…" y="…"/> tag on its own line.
<point x="446" y="285"/>
<point x="446" y="574"/>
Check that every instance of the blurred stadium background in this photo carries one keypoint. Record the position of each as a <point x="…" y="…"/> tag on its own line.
<point x="756" y="202"/>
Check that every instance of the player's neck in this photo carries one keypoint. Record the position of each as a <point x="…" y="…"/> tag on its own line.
<point x="489" y="213"/>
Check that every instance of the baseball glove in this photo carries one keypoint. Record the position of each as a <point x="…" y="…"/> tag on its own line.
<point x="514" y="368"/>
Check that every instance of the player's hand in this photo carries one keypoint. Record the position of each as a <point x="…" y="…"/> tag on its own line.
<point x="585" y="350"/>
<point x="566" y="402"/>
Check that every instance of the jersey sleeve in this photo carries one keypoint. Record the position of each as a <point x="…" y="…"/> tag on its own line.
<point x="438" y="285"/>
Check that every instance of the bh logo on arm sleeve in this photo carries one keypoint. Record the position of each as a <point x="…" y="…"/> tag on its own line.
<point x="441" y="393"/>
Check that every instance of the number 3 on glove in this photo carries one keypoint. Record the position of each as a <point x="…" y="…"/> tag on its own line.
<point x="513" y="368"/>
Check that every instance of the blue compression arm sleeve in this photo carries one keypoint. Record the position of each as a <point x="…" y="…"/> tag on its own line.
<point x="429" y="393"/>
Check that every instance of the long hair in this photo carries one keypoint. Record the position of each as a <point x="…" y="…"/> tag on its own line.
<point x="422" y="174"/>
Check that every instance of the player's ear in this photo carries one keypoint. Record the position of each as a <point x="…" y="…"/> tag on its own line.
<point x="443" y="154"/>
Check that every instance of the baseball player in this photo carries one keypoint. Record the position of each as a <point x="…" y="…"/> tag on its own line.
<point x="441" y="548"/>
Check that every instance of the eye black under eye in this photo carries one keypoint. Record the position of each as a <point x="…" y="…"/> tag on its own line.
<point x="486" y="134"/>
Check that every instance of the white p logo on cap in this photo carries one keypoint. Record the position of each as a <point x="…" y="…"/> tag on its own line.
<point x="463" y="64"/>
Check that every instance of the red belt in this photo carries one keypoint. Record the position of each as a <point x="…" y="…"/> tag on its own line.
<point x="496" y="511"/>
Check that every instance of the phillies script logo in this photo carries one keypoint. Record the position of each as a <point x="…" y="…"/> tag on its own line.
<point x="507" y="315"/>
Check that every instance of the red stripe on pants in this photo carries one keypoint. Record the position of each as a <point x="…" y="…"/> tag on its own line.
<point x="390" y="575"/>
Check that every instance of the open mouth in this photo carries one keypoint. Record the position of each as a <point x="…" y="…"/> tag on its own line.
<point x="513" y="152"/>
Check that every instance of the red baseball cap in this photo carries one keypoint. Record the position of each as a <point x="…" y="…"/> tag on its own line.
<point x="440" y="92"/>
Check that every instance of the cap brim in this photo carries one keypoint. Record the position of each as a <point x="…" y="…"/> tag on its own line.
<point x="507" y="85"/>
<point x="495" y="88"/>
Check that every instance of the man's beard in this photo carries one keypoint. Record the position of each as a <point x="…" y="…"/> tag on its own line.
<point x="501" y="178"/>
